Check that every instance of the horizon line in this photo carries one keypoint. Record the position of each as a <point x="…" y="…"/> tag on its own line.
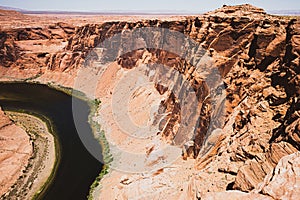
<point x="158" y="12"/>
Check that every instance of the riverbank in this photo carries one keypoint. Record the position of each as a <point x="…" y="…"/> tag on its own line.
<point x="96" y="128"/>
<point x="41" y="165"/>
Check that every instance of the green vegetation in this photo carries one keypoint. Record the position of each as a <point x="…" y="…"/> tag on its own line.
<point x="96" y="183"/>
<point x="97" y="131"/>
<point x="40" y="193"/>
<point x="100" y="136"/>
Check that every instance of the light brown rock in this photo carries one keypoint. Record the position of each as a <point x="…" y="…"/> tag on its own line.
<point x="284" y="181"/>
<point x="254" y="171"/>
<point x="257" y="55"/>
<point x="15" y="150"/>
<point x="234" y="195"/>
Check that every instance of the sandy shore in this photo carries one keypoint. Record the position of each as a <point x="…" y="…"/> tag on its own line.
<point x="42" y="162"/>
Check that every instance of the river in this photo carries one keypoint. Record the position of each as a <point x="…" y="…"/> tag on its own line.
<point x="77" y="168"/>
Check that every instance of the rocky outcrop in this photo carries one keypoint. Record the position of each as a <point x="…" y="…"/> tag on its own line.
<point x="280" y="92"/>
<point x="283" y="182"/>
<point x="25" y="52"/>
<point x="289" y="131"/>
<point x="253" y="172"/>
<point x="280" y="183"/>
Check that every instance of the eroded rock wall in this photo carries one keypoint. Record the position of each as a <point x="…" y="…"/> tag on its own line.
<point x="256" y="54"/>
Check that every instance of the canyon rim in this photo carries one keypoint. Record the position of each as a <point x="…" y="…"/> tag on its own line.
<point x="195" y="107"/>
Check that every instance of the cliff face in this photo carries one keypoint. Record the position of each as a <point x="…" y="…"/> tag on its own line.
<point x="256" y="55"/>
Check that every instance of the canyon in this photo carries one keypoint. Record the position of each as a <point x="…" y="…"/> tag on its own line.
<point x="228" y="129"/>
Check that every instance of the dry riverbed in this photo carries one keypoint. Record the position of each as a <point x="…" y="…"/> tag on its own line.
<point x="41" y="164"/>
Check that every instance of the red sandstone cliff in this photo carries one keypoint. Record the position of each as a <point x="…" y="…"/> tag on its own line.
<point x="256" y="54"/>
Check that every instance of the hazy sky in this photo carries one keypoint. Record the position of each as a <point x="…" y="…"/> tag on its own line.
<point x="142" y="5"/>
